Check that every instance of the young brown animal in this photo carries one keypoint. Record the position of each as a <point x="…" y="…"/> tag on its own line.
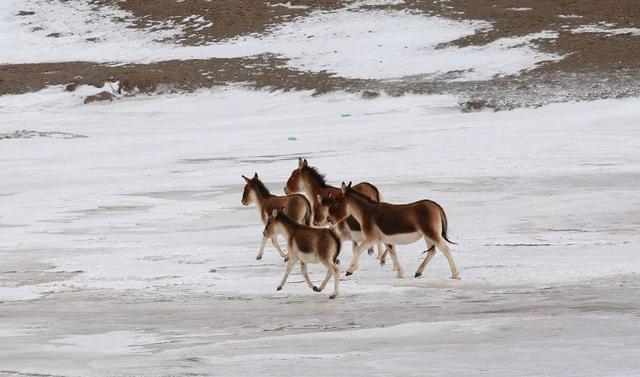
<point x="394" y="224"/>
<point x="296" y="206"/>
<point x="307" y="179"/>
<point x="307" y="245"/>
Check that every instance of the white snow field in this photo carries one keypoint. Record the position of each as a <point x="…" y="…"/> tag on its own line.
<point x="543" y="204"/>
<point x="347" y="42"/>
<point x="125" y="251"/>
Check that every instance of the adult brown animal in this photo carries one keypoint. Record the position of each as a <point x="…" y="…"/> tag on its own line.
<point x="394" y="224"/>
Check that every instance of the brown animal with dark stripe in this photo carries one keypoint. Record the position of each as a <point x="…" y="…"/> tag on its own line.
<point x="306" y="245"/>
<point x="394" y="224"/>
<point x="295" y="205"/>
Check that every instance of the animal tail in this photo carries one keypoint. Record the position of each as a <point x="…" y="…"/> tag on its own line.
<point x="338" y="246"/>
<point x="445" y="225"/>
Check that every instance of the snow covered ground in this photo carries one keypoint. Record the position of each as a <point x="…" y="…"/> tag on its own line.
<point x="124" y="249"/>
<point x="347" y="42"/>
<point x="542" y="202"/>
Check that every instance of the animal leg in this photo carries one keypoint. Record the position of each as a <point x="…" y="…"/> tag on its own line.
<point x="381" y="250"/>
<point x="274" y="241"/>
<point x="303" y="269"/>
<point x="364" y="245"/>
<point x="332" y="270"/>
<point x="327" y="276"/>
<point x="290" y="264"/>
<point x="261" y="251"/>
<point x="431" y="251"/>
<point x="396" y="261"/>
<point x="447" y="253"/>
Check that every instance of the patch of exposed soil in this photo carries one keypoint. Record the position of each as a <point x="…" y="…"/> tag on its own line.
<point x="516" y="18"/>
<point x="265" y="71"/>
<point x="204" y="21"/>
<point x="270" y="72"/>
<point x="596" y="65"/>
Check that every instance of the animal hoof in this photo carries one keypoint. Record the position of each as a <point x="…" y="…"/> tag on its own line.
<point x="332" y="297"/>
<point x="370" y="251"/>
<point x="349" y="273"/>
<point x="279" y="288"/>
<point x="455" y="277"/>
<point x="286" y="259"/>
<point x="417" y="275"/>
<point x="337" y="261"/>
<point x="382" y="263"/>
<point x="316" y="289"/>
<point x="259" y="257"/>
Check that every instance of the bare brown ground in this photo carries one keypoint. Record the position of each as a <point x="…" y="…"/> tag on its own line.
<point x="265" y="71"/>
<point x="228" y="18"/>
<point x="596" y="65"/>
<point x="584" y="51"/>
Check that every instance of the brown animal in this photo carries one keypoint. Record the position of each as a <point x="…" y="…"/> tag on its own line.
<point x="394" y="224"/>
<point x="347" y="230"/>
<point x="295" y="205"/>
<point x="306" y="245"/>
<point x="307" y="179"/>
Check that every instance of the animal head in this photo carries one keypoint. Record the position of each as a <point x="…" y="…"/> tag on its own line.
<point x="319" y="212"/>
<point x="294" y="183"/>
<point x="338" y="208"/>
<point x="270" y="226"/>
<point x="251" y="188"/>
<point x="321" y="209"/>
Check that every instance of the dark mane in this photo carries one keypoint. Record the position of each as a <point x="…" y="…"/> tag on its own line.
<point x="318" y="178"/>
<point x="262" y="189"/>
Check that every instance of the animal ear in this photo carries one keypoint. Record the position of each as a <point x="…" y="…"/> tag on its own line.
<point x="274" y="213"/>
<point x="255" y="175"/>
<point x="304" y="163"/>
<point x="349" y="184"/>
<point x="281" y="210"/>
<point x="330" y="195"/>
<point x="343" y="188"/>
<point x="319" y="198"/>
<point x="299" y="162"/>
<point x="245" y="178"/>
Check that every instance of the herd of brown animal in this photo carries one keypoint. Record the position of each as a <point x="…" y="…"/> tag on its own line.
<point x="353" y="213"/>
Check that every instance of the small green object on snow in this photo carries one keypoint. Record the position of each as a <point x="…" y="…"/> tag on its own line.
<point x="291" y="138"/>
<point x="344" y="115"/>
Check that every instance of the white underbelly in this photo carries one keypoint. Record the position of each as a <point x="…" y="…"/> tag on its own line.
<point x="309" y="258"/>
<point x="401" y="239"/>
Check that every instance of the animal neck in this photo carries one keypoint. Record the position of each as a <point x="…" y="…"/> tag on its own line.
<point x="358" y="206"/>
<point x="287" y="226"/>
<point x="261" y="200"/>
